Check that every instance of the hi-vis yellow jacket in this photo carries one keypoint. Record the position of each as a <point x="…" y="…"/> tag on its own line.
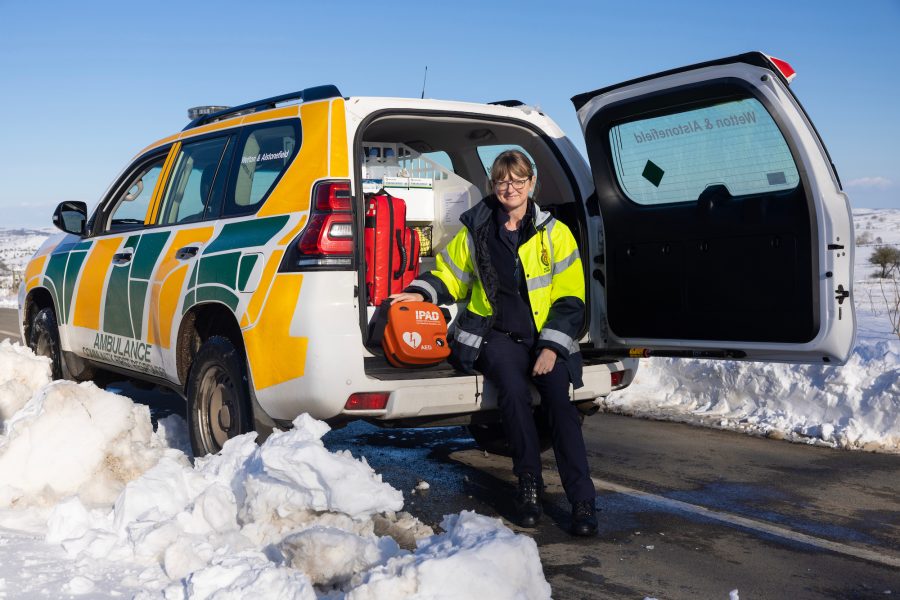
<point x="553" y="275"/>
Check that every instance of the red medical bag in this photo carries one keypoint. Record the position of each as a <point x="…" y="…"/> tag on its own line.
<point x="415" y="335"/>
<point x="391" y="248"/>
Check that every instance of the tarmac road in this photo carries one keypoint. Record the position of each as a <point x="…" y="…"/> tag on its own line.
<point x="9" y="324"/>
<point x="687" y="512"/>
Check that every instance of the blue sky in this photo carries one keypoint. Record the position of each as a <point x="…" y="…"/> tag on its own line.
<point x="86" y="85"/>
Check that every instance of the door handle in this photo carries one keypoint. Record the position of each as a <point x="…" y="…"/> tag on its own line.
<point x="187" y="252"/>
<point x="122" y="258"/>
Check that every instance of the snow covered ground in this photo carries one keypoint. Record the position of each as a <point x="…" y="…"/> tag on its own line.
<point x="95" y="503"/>
<point x="853" y="406"/>
<point x="16" y="248"/>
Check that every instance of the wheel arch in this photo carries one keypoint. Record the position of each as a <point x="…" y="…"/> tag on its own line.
<point x="198" y="324"/>
<point x="36" y="300"/>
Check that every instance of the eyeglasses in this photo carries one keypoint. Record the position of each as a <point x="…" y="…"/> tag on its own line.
<point x="517" y="184"/>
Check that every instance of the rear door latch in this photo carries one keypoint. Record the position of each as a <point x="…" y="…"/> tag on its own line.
<point x="841" y="293"/>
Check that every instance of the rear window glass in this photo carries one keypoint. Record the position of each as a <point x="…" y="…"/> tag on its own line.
<point x="263" y="156"/>
<point x="674" y="158"/>
<point x="488" y="154"/>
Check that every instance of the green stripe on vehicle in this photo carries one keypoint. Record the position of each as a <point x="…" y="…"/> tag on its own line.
<point x="246" y="234"/>
<point x="137" y="294"/>
<point x="214" y="293"/>
<point x="117" y="312"/>
<point x="221" y="268"/>
<point x="147" y="254"/>
<point x="76" y="260"/>
<point x="54" y="279"/>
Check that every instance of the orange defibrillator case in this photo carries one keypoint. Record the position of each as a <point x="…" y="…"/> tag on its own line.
<point x="415" y="335"/>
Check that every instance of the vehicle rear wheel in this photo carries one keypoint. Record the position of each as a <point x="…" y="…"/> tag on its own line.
<point x="45" y="340"/>
<point x="218" y="396"/>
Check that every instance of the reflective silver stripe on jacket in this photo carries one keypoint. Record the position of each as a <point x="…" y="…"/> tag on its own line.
<point x="421" y="283"/>
<point x="471" y="244"/>
<point x="565" y="263"/>
<point x="558" y="337"/>
<point x="536" y="283"/>
<point x="463" y="276"/>
<point x="469" y="339"/>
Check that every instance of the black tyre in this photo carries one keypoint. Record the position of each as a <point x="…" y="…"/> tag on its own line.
<point x="218" y="396"/>
<point x="45" y="340"/>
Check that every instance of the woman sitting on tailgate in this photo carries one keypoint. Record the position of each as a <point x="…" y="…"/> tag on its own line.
<point x="520" y="326"/>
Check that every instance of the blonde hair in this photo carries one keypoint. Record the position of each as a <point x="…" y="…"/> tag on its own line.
<point x="511" y="162"/>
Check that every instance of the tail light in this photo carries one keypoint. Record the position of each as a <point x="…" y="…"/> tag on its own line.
<point x="367" y="401"/>
<point x="615" y="378"/>
<point x="327" y="240"/>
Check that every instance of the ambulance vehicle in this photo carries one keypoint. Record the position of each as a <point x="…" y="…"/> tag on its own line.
<point x="227" y="261"/>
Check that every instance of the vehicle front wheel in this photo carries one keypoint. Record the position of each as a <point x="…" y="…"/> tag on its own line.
<point x="45" y="340"/>
<point x="218" y="396"/>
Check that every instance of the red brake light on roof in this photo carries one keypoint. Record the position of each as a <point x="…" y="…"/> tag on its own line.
<point x="367" y="401"/>
<point x="786" y="70"/>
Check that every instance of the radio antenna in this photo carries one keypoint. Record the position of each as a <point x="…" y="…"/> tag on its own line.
<point x="423" y="81"/>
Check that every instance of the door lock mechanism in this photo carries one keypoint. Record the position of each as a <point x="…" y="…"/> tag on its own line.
<point x="841" y="294"/>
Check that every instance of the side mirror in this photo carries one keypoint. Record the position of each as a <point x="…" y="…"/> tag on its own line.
<point x="71" y="216"/>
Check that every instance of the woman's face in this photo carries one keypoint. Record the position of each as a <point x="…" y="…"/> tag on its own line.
<point x="509" y="195"/>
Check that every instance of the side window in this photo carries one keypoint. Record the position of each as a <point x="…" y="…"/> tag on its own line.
<point x="264" y="154"/>
<point x="130" y="208"/>
<point x="674" y="158"/>
<point x="196" y="172"/>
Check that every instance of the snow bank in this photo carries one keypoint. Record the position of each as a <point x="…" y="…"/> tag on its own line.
<point x="21" y="375"/>
<point x="854" y="406"/>
<point x="288" y="519"/>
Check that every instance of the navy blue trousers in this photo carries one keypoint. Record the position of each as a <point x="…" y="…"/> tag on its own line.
<point x="507" y="364"/>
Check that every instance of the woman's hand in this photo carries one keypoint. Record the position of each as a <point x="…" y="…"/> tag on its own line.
<point x="407" y="297"/>
<point x="545" y="362"/>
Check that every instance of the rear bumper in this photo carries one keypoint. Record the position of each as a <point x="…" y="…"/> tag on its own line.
<point x="461" y="395"/>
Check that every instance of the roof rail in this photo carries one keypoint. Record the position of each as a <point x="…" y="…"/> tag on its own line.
<point x="310" y="94"/>
<point x="509" y="103"/>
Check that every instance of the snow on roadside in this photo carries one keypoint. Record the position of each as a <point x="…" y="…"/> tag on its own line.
<point x="854" y="406"/>
<point x="83" y="468"/>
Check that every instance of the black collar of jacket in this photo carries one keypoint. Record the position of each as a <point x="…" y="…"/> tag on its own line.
<point x="479" y="214"/>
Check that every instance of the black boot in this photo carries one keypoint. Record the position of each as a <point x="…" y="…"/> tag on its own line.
<point x="584" y="518"/>
<point x="528" y="502"/>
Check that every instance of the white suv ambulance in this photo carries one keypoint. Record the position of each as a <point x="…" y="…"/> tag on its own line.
<point x="226" y="261"/>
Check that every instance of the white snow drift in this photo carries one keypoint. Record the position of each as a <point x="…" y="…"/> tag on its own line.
<point x="287" y="519"/>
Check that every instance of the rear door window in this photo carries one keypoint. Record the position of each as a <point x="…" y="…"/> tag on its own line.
<point x="674" y="158"/>
<point x="264" y="154"/>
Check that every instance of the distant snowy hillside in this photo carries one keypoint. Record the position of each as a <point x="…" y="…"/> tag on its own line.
<point x="16" y="247"/>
